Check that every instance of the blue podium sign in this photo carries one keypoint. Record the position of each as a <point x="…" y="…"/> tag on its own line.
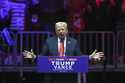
<point x="62" y="64"/>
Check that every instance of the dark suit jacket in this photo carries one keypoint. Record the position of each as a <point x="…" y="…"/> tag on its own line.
<point x="51" y="47"/>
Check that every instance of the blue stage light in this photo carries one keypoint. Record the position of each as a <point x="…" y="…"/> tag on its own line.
<point x="7" y="36"/>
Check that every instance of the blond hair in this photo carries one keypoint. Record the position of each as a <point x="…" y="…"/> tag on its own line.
<point x="61" y="24"/>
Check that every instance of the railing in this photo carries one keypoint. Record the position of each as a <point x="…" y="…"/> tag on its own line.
<point x="110" y="43"/>
<point x="120" y="49"/>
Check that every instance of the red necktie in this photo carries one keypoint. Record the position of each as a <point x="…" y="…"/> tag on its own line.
<point x="61" y="50"/>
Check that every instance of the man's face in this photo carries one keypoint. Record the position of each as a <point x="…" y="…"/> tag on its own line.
<point x="61" y="29"/>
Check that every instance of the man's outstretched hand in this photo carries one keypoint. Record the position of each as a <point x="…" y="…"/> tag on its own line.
<point x="97" y="56"/>
<point x="29" y="54"/>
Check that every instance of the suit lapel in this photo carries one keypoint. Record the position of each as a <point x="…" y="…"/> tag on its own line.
<point x="68" y="42"/>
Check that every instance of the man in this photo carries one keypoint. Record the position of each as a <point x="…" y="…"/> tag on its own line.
<point x="62" y="45"/>
<point x="71" y="47"/>
<point x="53" y="44"/>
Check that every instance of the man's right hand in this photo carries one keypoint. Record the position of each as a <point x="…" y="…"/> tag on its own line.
<point x="97" y="56"/>
<point x="29" y="54"/>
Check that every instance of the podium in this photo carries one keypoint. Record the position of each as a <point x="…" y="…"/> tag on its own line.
<point x="66" y="64"/>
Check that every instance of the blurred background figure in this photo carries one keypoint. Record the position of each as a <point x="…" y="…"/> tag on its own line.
<point x="35" y="22"/>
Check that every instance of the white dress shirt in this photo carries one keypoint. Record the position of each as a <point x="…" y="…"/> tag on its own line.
<point x="64" y="45"/>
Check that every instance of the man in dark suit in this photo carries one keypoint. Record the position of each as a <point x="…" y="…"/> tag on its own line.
<point x="62" y="45"/>
<point x="52" y="46"/>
